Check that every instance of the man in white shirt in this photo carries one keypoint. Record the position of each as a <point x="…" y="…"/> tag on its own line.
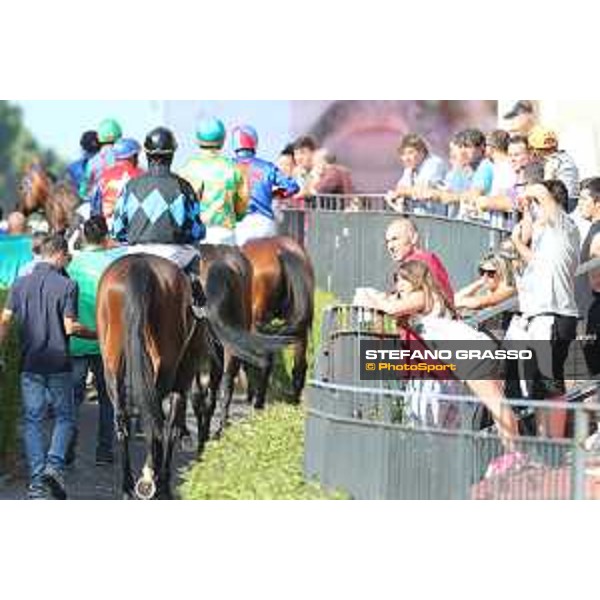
<point x="422" y="171"/>
<point x="547" y="294"/>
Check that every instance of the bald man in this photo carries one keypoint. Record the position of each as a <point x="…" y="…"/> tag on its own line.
<point x="402" y="241"/>
<point x="16" y="224"/>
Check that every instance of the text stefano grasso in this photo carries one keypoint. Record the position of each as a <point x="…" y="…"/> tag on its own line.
<point x="499" y="354"/>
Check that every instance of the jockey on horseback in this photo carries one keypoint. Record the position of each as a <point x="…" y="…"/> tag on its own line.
<point x="158" y="212"/>
<point x="263" y="180"/>
<point x="109" y="132"/>
<point x="114" y="179"/>
<point x="75" y="172"/>
<point x="218" y="183"/>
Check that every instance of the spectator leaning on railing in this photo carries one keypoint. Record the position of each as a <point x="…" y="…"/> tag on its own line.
<point x="403" y="244"/>
<point x="496" y="284"/>
<point x="546" y="293"/>
<point x="458" y="178"/>
<point x="304" y="151"/>
<point x="422" y="171"/>
<point x="503" y="176"/>
<point x="328" y="177"/>
<point x="471" y="176"/>
<point x="473" y="143"/>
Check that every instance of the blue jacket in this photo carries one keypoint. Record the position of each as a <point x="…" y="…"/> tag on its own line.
<point x="262" y="179"/>
<point x="76" y="172"/>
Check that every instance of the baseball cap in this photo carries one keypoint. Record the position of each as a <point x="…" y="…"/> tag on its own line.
<point x="542" y="138"/>
<point x="520" y="108"/>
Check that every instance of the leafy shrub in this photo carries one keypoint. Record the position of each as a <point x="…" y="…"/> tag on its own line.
<point x="9" y="395"/>
<point x="259" y="458"/>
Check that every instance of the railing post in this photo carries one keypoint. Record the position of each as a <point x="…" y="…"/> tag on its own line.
<point x="578" y="472"/>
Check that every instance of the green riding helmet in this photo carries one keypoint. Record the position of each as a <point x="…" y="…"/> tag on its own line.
<point x="109" y="131"/>
<point x="210" y="133"/>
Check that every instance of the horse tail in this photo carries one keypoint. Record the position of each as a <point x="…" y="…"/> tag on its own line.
<point x="224" y="307"/>
<point x="299" y="294"/>
<point x="140" y="288"/>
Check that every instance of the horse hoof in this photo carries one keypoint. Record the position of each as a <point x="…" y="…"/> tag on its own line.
<point x="145" y="489"/>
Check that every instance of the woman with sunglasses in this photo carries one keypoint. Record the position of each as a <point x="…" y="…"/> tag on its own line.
<point x="495" y="284"/>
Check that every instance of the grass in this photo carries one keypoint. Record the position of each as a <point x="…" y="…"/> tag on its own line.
<point x="259" y="458"/>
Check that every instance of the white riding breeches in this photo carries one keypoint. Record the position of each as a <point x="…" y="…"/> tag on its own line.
<point x="219" y="235"/>
<point x="254" y="226"/>
<point x="181" y="255"/>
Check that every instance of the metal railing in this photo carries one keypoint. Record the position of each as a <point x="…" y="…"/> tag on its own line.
<point x="349" y="245"/>
<point x="426" y="440"/>
<point x="358" y="439"/>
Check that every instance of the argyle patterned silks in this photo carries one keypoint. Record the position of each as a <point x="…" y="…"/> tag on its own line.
<point x="159" y="208"/>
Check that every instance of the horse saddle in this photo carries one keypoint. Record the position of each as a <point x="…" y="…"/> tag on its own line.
<point x="182" y="255"/>
<point x="186" y="258"/>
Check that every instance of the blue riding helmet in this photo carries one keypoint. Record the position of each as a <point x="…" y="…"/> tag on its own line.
<point x="210" y="133"/>
<point x="126" y="148"/>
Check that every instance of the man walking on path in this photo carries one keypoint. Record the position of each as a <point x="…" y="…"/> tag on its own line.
<point x="45" y="305"/>
<point x="86" y="269"/>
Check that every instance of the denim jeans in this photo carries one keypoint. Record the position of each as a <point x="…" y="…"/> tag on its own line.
<point x="106" y="427"/>
<point x="38" y="392"/>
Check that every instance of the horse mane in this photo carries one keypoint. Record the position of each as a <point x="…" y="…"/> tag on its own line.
<point x="39" y="191"/>
<point x="34" y="187"/>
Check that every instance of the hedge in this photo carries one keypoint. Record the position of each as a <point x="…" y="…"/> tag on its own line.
<point x="9" y="396"/>
<point x="259" y="458"/>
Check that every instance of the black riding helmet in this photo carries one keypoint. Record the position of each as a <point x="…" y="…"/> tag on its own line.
<point x="89" y="142"/>
<point x="160" y="141"/>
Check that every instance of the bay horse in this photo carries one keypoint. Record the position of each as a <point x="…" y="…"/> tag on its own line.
<point x="283" y="286"/>
<point x="153" y="347"/>
<point x="38" y="193"/>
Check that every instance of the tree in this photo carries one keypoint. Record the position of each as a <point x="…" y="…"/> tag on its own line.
<point x="17" y="147"/>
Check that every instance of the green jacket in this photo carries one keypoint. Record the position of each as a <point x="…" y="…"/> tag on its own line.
<point x="220" y="186"/>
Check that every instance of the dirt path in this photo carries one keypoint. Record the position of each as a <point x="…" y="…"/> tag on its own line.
<point x="86" y="481"/>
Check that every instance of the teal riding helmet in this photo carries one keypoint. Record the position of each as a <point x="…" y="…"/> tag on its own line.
<point x="210" y="133"/>
<point x="109" y="131"/>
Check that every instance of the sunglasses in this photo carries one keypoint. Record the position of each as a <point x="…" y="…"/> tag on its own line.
<point x="487" y="273"/>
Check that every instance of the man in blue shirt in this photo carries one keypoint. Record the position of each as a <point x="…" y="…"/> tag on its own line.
<point x="472" y="142"/>
<point x="263" y="180"/>
<point x="45" y="305"/>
